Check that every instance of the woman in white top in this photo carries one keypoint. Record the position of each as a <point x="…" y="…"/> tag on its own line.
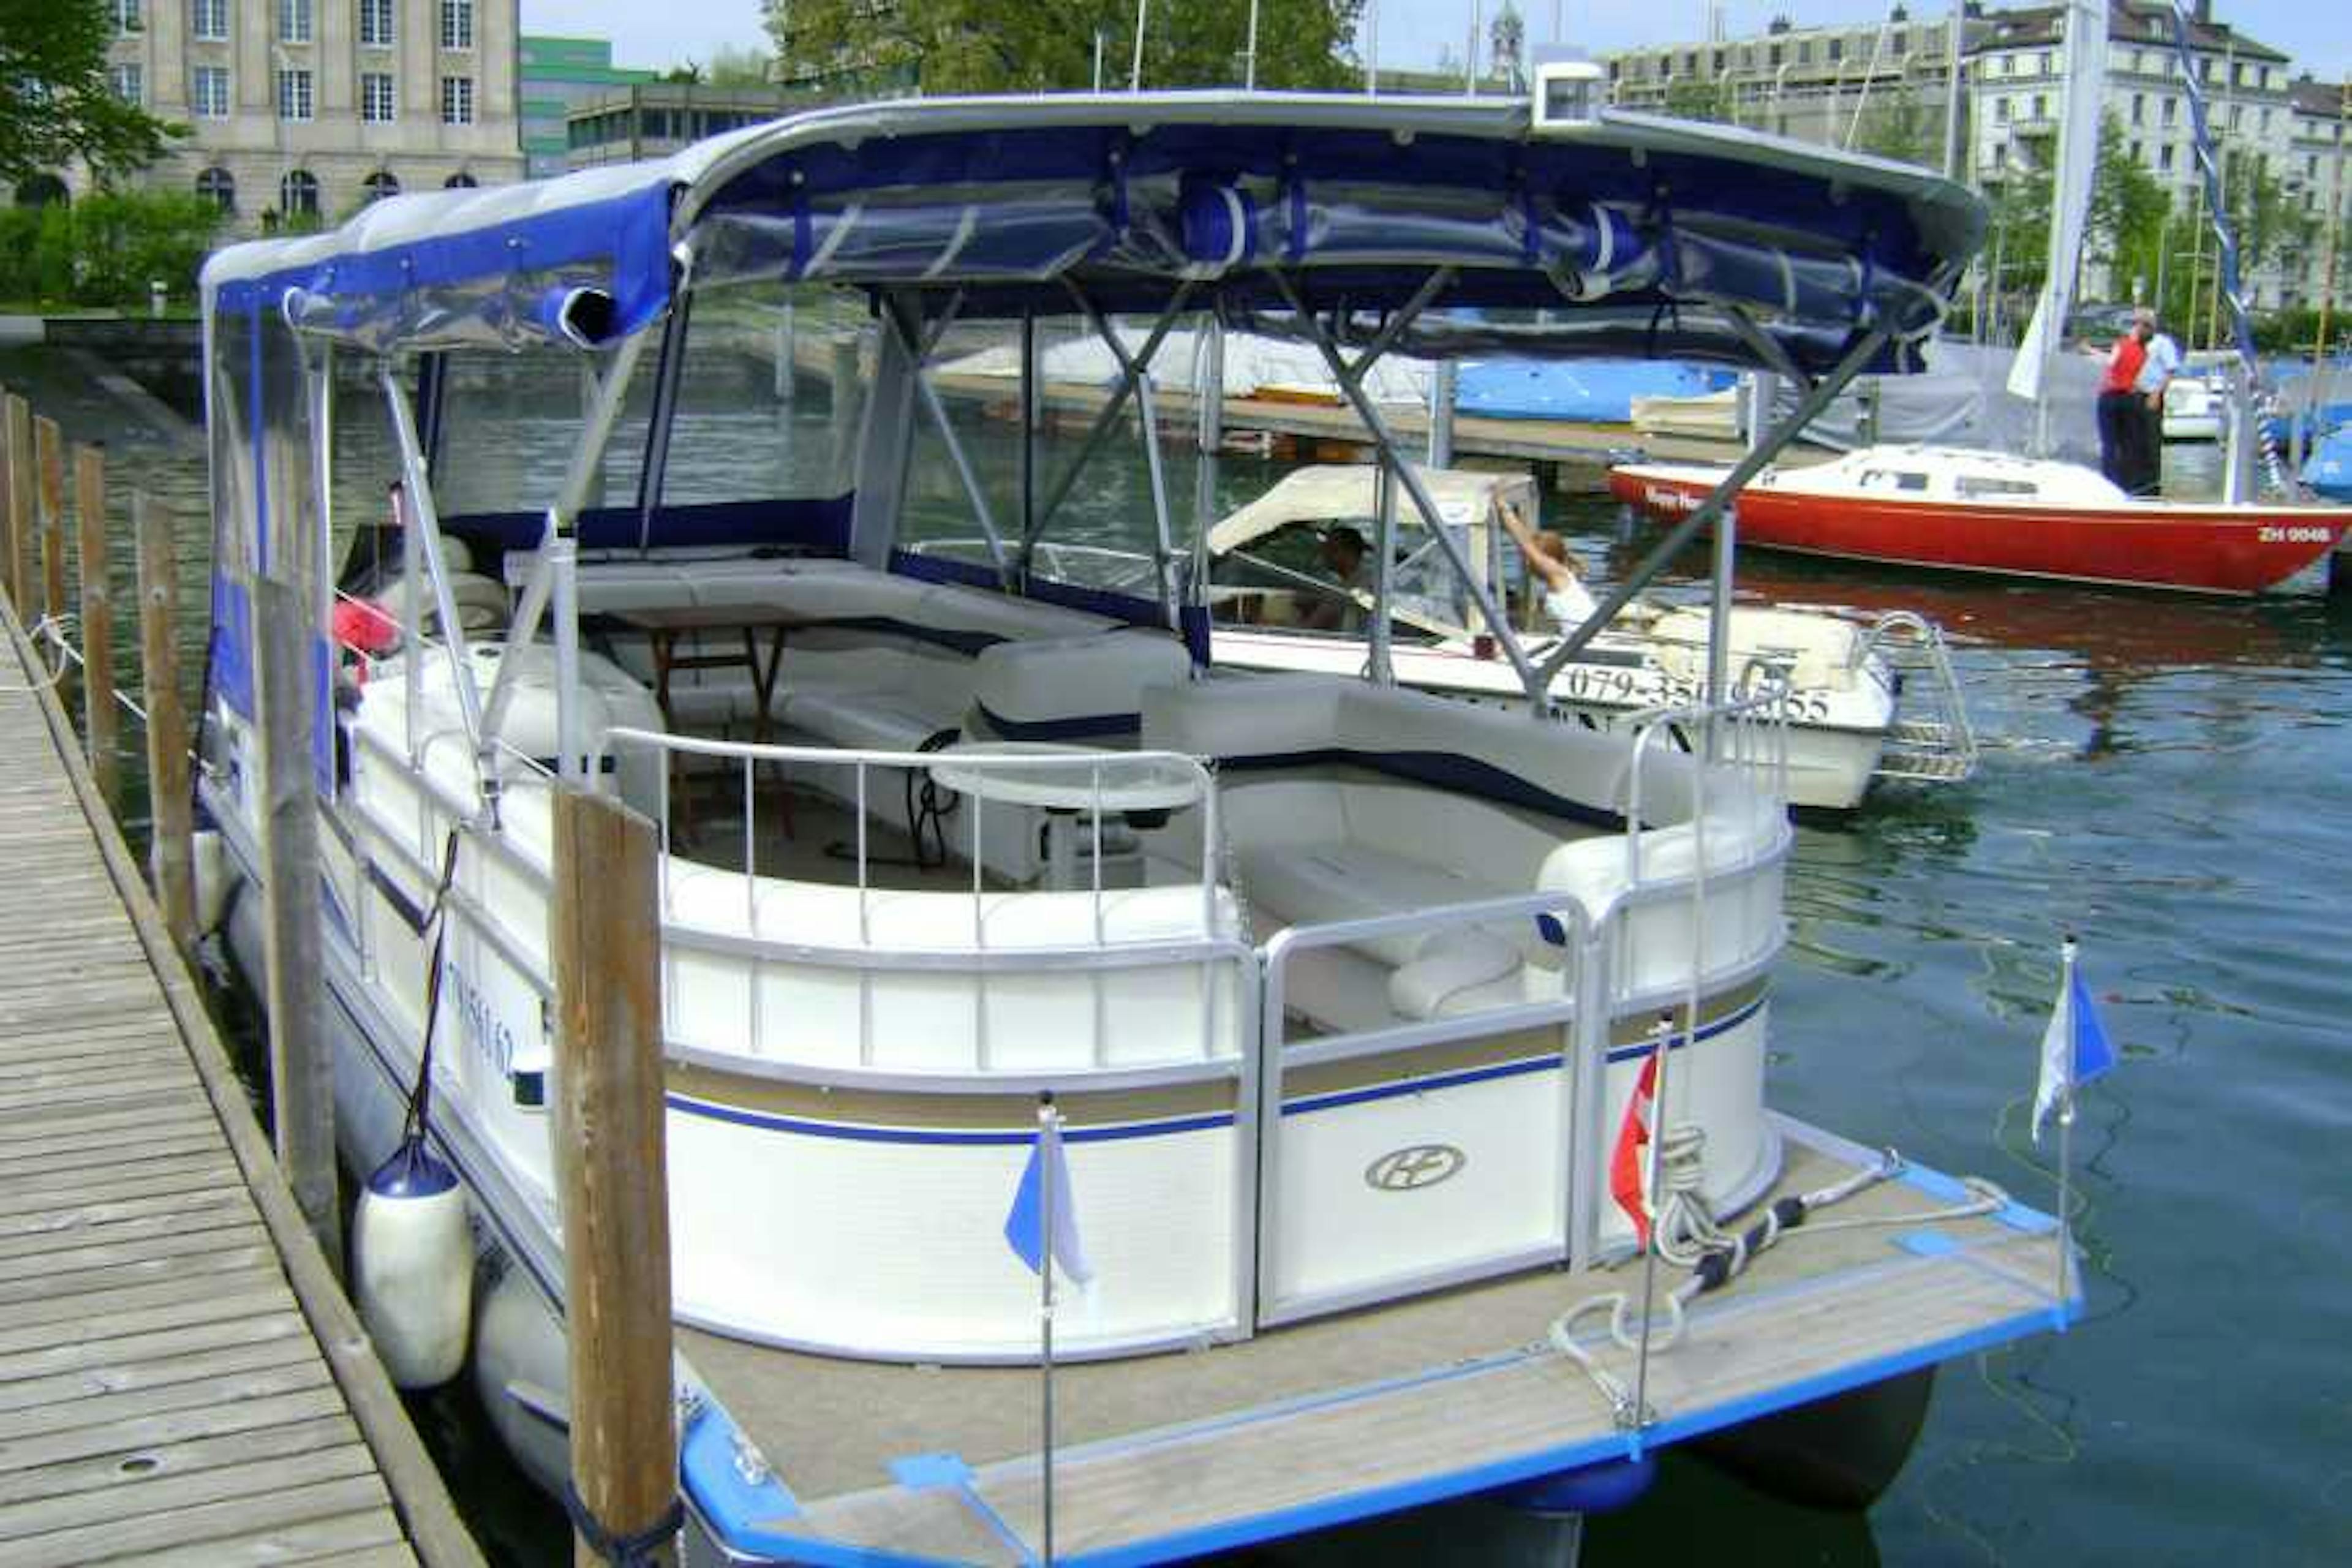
<point x="1552" y="563"/>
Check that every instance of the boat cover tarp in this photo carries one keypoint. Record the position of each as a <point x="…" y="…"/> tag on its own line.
<point x="1254" y="366"/>
<point x="1600" y="389"/>
<point x="1643" y="230"/>
<point x="1338" y="493"/>
<point x="2329" y="470"/>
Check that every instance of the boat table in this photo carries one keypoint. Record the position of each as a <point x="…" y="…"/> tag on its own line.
<point x="1119" y="782"/>
<point x="663" y="628"/>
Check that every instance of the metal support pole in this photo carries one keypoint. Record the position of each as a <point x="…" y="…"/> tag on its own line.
<point x="1130" y="367"/>
<point x="1163" y="536"/>
<point x="663" y="416"/>
<point x="1443" y="378"/>
<point x="1383" y="662"/>
<point x="1048" y="1122"/>
<point x="1351" y="386"/>
<point x="1028" y="383"/>
<point x="562" y="560"/>
<point x="425" y="524"/>
<point x="982" y="512"/>
<point x="1816" y="398"/>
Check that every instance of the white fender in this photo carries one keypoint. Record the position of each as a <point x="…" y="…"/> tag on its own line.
<point x="412" y="1267"/>
<point x="214" y="879"/>
<point x="522" y="1373"/>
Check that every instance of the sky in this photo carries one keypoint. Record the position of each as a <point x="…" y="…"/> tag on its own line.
<point x="661" y="33"/>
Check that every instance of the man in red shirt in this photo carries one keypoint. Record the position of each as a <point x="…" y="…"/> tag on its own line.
<point x="2119" y="416"/>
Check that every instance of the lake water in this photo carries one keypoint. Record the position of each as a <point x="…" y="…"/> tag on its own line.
<point x="2162" y="777"/>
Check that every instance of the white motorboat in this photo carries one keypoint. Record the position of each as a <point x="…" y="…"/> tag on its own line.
<point x="1351" y="996"/>
<point x="1851" y="717"/>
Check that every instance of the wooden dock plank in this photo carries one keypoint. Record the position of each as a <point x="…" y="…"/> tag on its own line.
<point x="113" y="1363"/>
<point x="229" y="1528"/>
<point x="276" y="1375"/>
<point x="161" y="1493"/>
<point x="129" y="1467"/>
<point x="180" y="1380"/>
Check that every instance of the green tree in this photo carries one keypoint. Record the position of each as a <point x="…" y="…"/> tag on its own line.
<point x="2129" y="210"/>
<point x="56" y="103"/>
<point x="1898" y="126"/>
<point x="1692" y="98"/>
<point x="731" y="67"/>
<point x="1033" y="46"/>
<point x="1506" y="41"/>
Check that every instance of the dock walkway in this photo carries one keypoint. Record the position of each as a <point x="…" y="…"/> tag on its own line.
<point x="181" y="1380"/>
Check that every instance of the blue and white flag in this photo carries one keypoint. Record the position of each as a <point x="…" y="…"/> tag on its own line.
<point x="2074" y="1050"/>
<point x="1025" y="1224"/>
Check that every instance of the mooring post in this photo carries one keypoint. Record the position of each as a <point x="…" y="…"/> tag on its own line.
<point x="170" y="855"/>
<point x="49" y="503"/>
<point x="101" y="724"/>
<point x="301" y="1074"/>
<point x="16" y="432"/>
<point x="612" y="1175"/>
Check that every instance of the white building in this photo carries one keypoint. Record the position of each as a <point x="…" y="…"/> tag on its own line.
<point x="1884" y="87"/>
<point x="2319" y="181"/>
<point x="310" y="107"/>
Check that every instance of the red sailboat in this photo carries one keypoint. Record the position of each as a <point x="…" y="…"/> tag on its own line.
<point x="1987" y="511"/>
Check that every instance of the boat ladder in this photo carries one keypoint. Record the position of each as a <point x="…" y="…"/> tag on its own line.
<point x="1931" y="738"/>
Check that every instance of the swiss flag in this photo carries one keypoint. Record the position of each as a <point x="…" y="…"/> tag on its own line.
<point x="1625" y="1162"/>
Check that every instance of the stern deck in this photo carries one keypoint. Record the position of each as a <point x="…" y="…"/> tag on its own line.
<point x="1368" y="1412"/>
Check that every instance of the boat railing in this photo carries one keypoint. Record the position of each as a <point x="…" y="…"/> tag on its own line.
<point x="1301" y="1272"/>
<point x="1089" y="781"/>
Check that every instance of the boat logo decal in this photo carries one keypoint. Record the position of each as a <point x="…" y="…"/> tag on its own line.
<point x="1414" y="1166"/>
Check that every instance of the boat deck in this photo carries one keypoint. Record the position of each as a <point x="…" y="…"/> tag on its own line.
<point x="179" y="1379"/>
<point x="1333" y="1420"/>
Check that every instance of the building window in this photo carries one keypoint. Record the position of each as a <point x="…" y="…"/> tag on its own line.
<point x="214" y="186"/>
<point x="2001" y="109"/>
<point x="2266" y="122"/>
<point x="293" y="21"/>
<point x="2164" y="157"/>
<point x="2139" y="108"/>
<point x="2139" y="154"/>
<point x="378" y="185"/>
<point x="2040" y="107"/>
<point x="2237" y="116"/>
<point x="208" y="20"/>
<point x="293" y="95"/>
<point x="129" y="16"/>
<point x="376" y="24"/>
<point x="130" y="83"/>
<point x="375" y="98"/>
<point x="1899" y="44"/>
<point x="210" y="97"/>
<point x="1837" y="48"/>
<point x="457" y="100"/>
<point x="457" y="28"/>
<point x="297" y="194"/>
<point x="2049" y="63"/>
<point x="2168" y="113"/>
<point x="1805" y="52"/>
<point x="1774" y="53"/>
<point x="460" y="181"/>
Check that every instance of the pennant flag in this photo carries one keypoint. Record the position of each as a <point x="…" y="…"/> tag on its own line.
<point x="2074" y="1050"/>
<point x="1625" y="1162"/>
<point x="1025" y="1224"/>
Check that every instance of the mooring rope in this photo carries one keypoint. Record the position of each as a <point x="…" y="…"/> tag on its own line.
<point x="1686" y="1235"/>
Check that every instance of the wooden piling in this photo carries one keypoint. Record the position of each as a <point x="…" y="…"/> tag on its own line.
<point x="17" y="434"/>
<point x="301" y="1073"/>
<point x="49" y="511"/>
<point x="612" y="1175"/>
<point x="102" y="721"/>
<point x="170" y="855"/>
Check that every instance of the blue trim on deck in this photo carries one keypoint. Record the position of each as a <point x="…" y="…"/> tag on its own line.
<point x="857" y="1134"/>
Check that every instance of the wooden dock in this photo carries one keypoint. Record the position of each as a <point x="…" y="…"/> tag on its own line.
<point x="181" y="1378"/>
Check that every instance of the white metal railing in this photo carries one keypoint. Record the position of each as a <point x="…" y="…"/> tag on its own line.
<point x="1094" y="800"/>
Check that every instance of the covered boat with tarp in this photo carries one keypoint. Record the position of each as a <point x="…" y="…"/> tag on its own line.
<point x="1346" y="995"/>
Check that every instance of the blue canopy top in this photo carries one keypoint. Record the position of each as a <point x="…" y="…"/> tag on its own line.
<point x="1631" y="234"/>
